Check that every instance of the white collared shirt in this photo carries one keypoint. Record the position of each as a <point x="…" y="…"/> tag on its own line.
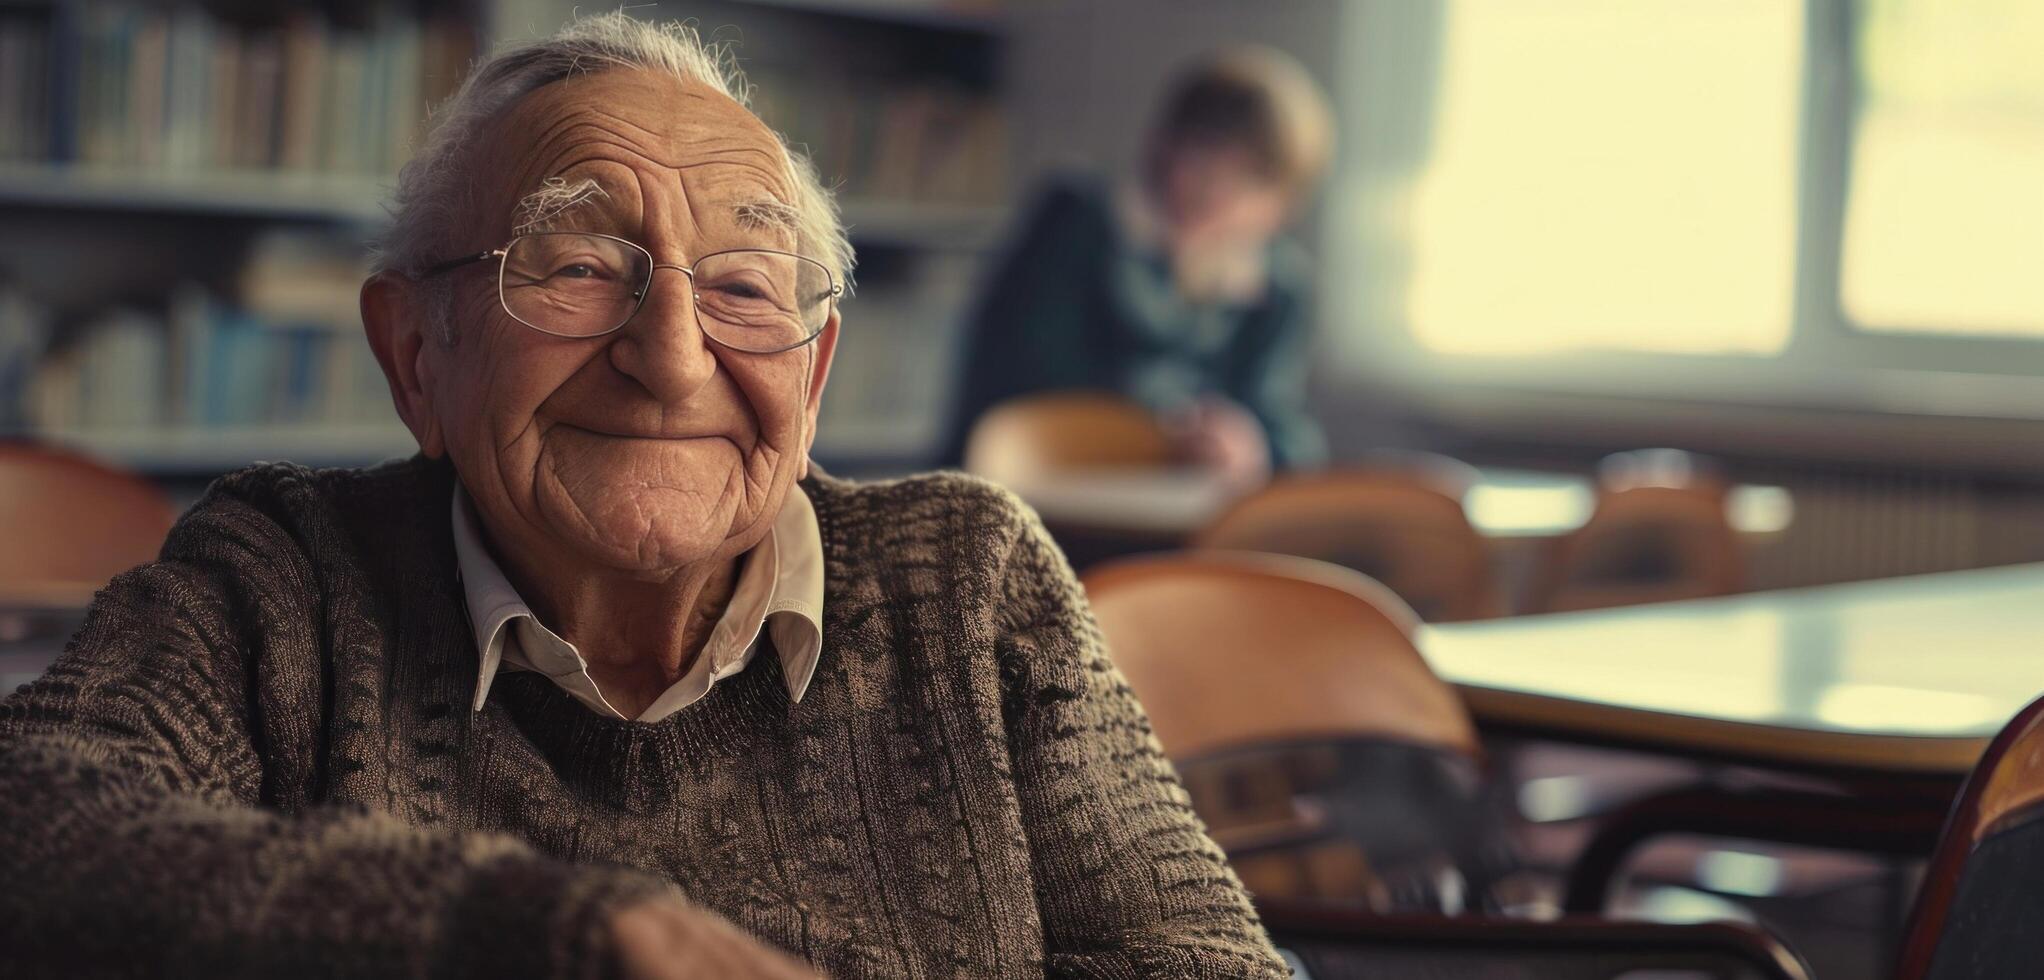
<point x="779" y="589"/>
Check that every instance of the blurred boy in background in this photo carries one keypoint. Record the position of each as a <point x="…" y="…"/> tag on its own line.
<point x="1174" y="290"/>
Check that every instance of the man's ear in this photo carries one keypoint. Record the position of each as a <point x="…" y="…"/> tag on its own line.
<point x="392" y="315"/>
<point x="822" y="350"/>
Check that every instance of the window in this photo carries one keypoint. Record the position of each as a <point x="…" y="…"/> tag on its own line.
<point x="1610" y="174"/>
<point x="1812" y="179"/>
<point x="1944" y="227"/>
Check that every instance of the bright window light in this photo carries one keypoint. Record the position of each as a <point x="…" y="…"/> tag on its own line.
<point x="1877" y="706"/>
<point x="1739" y="873"/>
<point x="1611" y="174"/>
<point x="1550" y="799"/>
<point x="1944" y="227"/>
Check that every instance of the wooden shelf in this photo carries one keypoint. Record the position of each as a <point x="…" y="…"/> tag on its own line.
<point x="906" y="13"/>
<point x="198" y="450"/>
<point x="252" y="193"/>
<point x="267" y="194"/>
<point x="884" y="222"/>
<point x="863" y="446"/>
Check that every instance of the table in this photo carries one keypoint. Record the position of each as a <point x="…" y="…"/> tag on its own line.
<point x="1502" y="503"/>
<point x="1904" y="675"/>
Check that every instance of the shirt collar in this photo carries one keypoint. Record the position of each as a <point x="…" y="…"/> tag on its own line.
<point x="779" y="591"/>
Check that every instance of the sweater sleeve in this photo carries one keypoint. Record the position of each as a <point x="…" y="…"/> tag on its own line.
<point x="1127" y="881"/>
<point x="138" y="786"/>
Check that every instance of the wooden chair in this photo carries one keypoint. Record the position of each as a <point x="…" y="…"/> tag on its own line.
<point x="1061" y="431"/>
<point x="1902" y="826"/>
<point x="1643" y="543"/>
<point x="71" y="524"/>
<point x="1325" y="755"/>
<point x="1675" y="468"/>
<point x="1980" y="912"/>
<point x="1341" y="944"/>
<point x="1399" y="526"/>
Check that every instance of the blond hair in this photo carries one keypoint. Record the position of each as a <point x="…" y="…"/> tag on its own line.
<point x="1258" y="99"/>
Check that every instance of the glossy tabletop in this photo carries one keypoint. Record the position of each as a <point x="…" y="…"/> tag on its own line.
<point x="1904" y="674"/>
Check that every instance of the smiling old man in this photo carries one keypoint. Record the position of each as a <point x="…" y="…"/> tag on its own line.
<point x="606" y="680"/>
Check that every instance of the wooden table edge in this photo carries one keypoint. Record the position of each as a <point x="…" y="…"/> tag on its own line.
<point x="1928" y="755"/>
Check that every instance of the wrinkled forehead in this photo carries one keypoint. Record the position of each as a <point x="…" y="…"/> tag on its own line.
<point x="635" y="151"/>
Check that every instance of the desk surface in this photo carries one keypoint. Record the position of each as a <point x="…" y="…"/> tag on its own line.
<point x="1912" y="673"/>
<point x="1503" y="503"/>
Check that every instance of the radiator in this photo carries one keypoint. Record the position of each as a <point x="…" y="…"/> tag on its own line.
<point x="1853" y="525"/>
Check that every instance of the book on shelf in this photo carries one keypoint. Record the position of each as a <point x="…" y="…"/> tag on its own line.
<point x="285" y="348"/>
<point x="24" y="335"/>
<point x="917" y="141"/>
<point x="177" y="89"/>
<point x="202" y="364"/>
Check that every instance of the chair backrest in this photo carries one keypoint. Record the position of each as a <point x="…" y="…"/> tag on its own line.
<point x="1643" y="543"/>
<point x="1978" y="913"/>
<point x="71" y="524"/>
<point x="1063" y="431"/>
<point x="1320" y="749"/>
<point x="1396" y="525"/>
<point x="1659" y="468"/>
<point x="1229" y="649"/>
<point x="1343" y="944"/>
<point x="1442" y="472"/>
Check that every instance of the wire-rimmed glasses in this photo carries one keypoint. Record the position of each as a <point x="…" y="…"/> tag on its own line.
<point x="583" y="284"/>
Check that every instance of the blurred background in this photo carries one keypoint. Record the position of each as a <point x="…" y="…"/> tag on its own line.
<point x="1801" y="237"/>
<point x="1611" y="302"/>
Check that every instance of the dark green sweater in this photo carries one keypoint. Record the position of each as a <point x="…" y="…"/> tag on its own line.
<point x="1074" y="304"/>
<point x="255" y="759"/>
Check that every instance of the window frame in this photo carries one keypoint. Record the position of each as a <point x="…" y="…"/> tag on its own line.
<point x="1832" y="100"/>
<point x="1829" y="365"/>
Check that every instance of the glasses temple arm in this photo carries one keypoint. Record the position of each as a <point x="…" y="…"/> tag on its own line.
<point x="453" y="264"/>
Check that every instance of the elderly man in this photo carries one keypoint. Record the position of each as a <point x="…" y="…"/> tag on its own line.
<point x="606" y="679"/>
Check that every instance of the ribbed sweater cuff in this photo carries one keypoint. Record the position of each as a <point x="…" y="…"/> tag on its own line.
<point x="532" y="916"/>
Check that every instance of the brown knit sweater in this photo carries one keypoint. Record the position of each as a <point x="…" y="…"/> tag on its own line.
<point x="256" y="759"/>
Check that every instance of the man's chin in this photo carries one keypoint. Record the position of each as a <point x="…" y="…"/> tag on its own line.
<point x="653" y="532"/>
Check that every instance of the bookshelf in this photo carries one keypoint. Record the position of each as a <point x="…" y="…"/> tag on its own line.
<point x="175" y="451"/>
<point x="177" y="265"/>
<point x="247" y="193"/>
<point x="879" y="222"/>
<point x="358" y="200"/>
<point x="979" y="18"/>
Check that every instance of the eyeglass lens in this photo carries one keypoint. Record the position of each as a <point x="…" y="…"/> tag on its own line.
<point x="582" y="285"/>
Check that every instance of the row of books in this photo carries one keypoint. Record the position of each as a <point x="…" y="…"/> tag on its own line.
<point x="123" y="85"/>
<point x="202" y="363"/>
<point x="176" y="88"/>
<point x="284" y="348"/>
<point x="907" y="142"/>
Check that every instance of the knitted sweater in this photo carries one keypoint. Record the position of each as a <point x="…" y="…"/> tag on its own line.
<point x="255" y="759"/>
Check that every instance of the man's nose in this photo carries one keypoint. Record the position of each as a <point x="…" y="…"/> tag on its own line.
<point x="663" y="345"/>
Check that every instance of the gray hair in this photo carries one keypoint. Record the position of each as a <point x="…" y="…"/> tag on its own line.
<point x="433" y="201"/>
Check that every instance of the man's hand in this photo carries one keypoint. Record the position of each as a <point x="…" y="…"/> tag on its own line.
<point x="667" y="940"/>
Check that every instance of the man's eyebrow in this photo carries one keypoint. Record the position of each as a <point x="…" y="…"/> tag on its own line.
<point x="767" y="214"/>
<point x="555" y="197"/>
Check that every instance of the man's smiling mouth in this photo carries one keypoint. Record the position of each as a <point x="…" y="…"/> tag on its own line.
<point x="646" y="436"/>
